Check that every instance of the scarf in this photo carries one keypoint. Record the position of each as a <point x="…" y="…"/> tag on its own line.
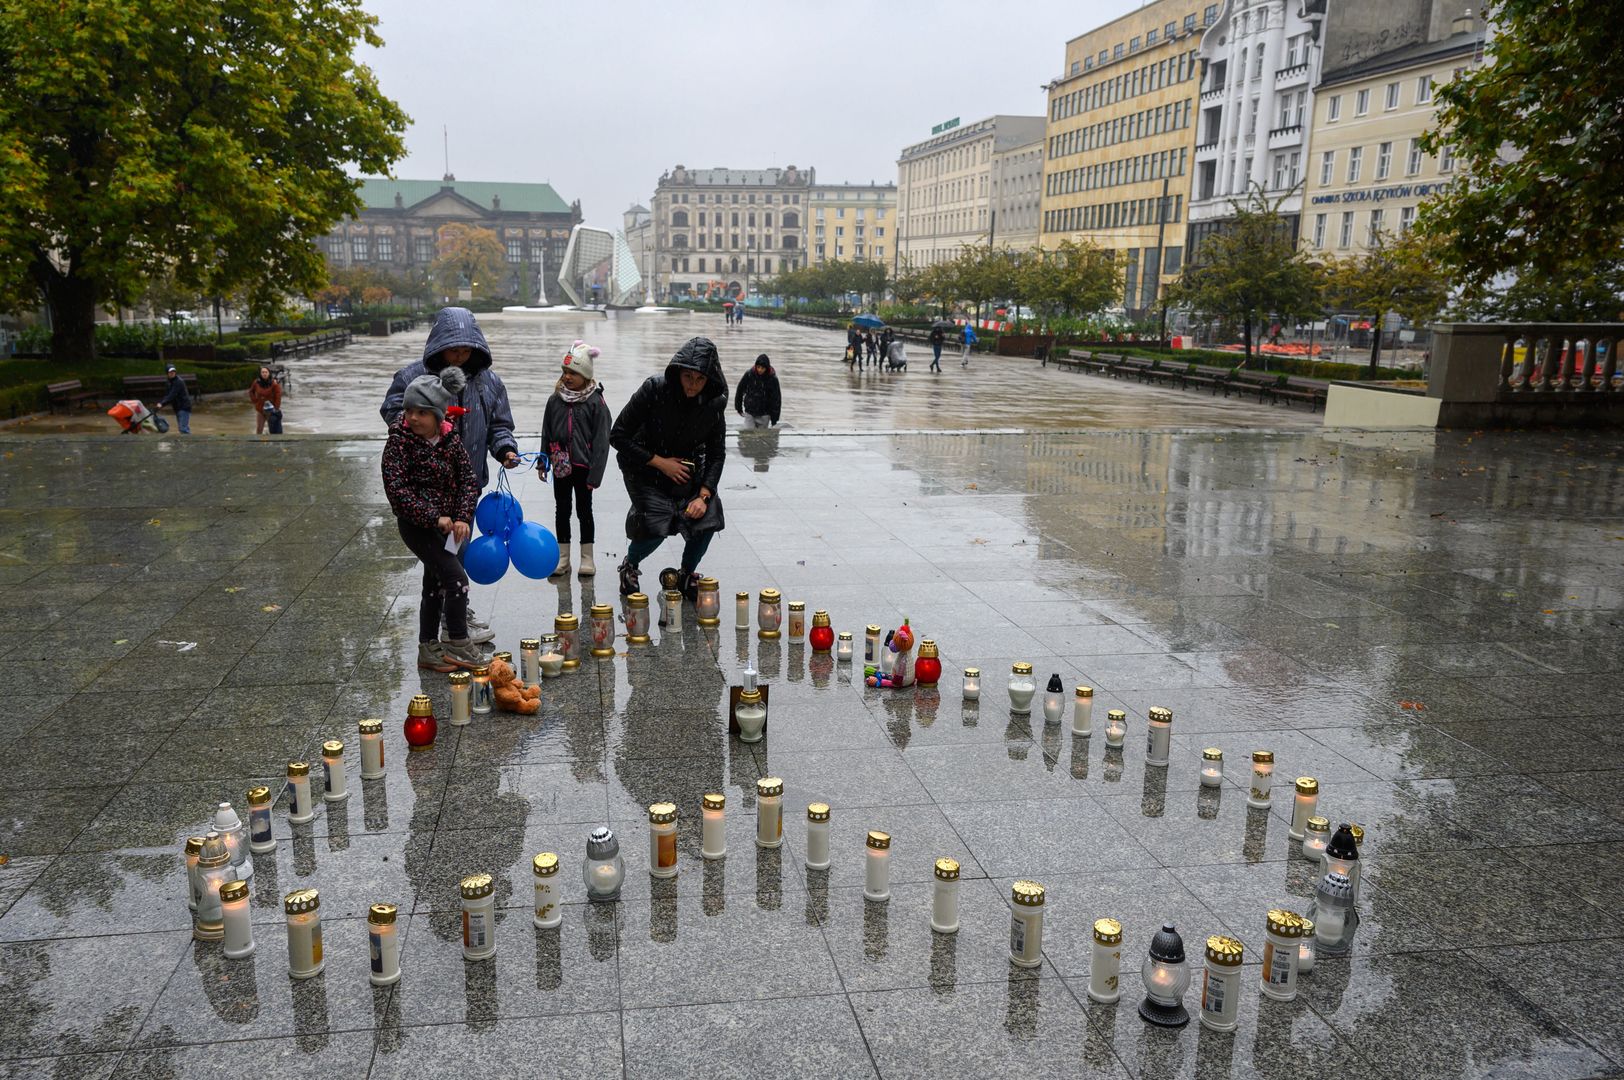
<point x="575" y="397"/>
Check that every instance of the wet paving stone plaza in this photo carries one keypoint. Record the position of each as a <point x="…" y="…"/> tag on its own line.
<point x="1427" y="623"/>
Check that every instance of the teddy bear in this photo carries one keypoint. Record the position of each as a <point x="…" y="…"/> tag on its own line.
<point x="512" y="695"/>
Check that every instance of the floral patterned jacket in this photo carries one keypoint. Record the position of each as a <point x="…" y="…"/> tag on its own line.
<point x="426" y="482"/>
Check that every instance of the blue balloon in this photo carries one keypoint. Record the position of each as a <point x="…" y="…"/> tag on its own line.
<point x="498" y="514"/>
<point x="486" y="560"/>
<point x="534" y="550"/>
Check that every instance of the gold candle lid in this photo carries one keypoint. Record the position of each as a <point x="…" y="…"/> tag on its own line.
<point x="1116" y="714"/>
<point x="1263" y="757"/>
<point x="871" y="629"/>
<point x="529" y="644"/>
<point x="301" y="902"/>
<point x="820" y="618"/>
<point x="600" y="611"/>
<point x="947" y="869"/>
<point x="708" y="584"/>
<point x="483" y="671"/>
<point x="661" y="813"/>
<point x="1285" y="923"/>
<point x="298" y="768"/>
<point x="879" y="841"/>
<point x="382" y="914"/>
<point x="459" y="679"/>
<point x="214" y="853"/>
<point x="637" y="599"/>
<point x="552" y="639"/>
<point x="770" y="596"/>
<point x="194" y="845"/>
<point x="1308" y="927"/>
<point x="844" y="635"/>
<point x="1159" y="715"/>
<point x="741" y="595"/>
<point x="1225" y="951"/>
<point x="1027" y="894"/>
<point x="927" y="649"/>
<point x="545" y="864"/>
<point x="818" y="811"/>
<point x="332" y="748"/>
<point x="233" y="890"/>
<point x="1318" y="823"/>
<point x="1085" y="691"/>
<point x="506" y="657"/>
<point x="714" y="801"/>
<point x="1358" y="832"/>
<point x="769" y="785"/>
<point x="420" y="706"/>
<point x="673" y="596"/>
<point x="1307" y="785"/>
<point x="475" y="886"/>
<point x="1212" y="753"/>
<point x="749" y="697"/>
<point x="797" y="605"/>
<point x="972" y="673"/>
<point x="1107" y="931"/>
<point x="566" y="621"/>
<point x="259" y="796"/>
<point x="1020" y="667"/>
<point x="370" y="727"/>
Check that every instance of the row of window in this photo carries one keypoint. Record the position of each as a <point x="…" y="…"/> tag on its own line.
<point x="716" y="197"/>
<point x="1384" y="162"/>
<point x="1174" y="116"/>
<point x="957" y="221"/>
<point x="876" y="254"/>
<point x="1130" y="170"/>
<point x="1114" y="215"/>
<point x="679" y="219"/>
<point x="422" y="249"/>
<point x="1375" y="226"/>
<point x="788" y="243"/>
<point x="1152" y="36"/>
<point x="1390" y="98"/>
<point x="1141" y="80"/>
<point x="1142" y="271"/>
<point x="680" y="266"/>
<point x="950" y="160"/>
<point x="840" y="230"/>
<point x="862" y="213"/>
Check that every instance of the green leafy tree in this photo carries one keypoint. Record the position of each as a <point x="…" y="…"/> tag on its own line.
<point x="1533" y="225"/>
<point x="1400" y="274"/>
<point x="1077" y="278"/>
<point x="204" y="142"/>
<point x="1250" y="270"/>
<point x="468" y="256"/>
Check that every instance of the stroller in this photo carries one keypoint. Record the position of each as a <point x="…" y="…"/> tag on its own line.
<point x="135" y="417"/>
<point x="896" y="357"/>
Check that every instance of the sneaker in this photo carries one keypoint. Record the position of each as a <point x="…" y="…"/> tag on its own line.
<point x="463" y="654"/>
<point x="474" y="621"/>
<point x="478" y="633"/>
<point x="629" y="578"/>
<point x="430" y="658"/>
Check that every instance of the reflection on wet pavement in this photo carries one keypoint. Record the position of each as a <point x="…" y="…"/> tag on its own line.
<point x="1427" y="624"/>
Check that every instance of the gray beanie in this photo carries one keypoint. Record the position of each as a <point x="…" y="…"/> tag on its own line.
<point x="436" y="392"/>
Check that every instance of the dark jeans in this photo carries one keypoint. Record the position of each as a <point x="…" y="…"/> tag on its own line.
<point x="573" y="485"/>
<point x="936" y="355"/>
<point x="445" y="584"/>
<point x="693" y="549"/>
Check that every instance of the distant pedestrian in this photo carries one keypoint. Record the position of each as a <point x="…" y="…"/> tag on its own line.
<point x="575" y="439"/>
<point x="886" y="337"/>
<point x="854" y="346"/>
<point x="868" y="343"/>
<point x="265" y="393"/>
<point x="738" y="314"/>
<point x="937" y="340"/>
<point x="968" y="339"/>
<point x="758" y="398"/>
<point x="180" y="399"/>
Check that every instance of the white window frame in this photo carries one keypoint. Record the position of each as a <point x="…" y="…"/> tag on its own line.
<point x="1333" y="109"/>
<point x="1361" y="103"/>
<point x="1423" y="90"/>
<point x="1384" y="160"/>
<point x="1390" y="100"/>
<point x="1345" y="235"/>
<point x="1327" y="168"/>
<point x="1356" y="163"/>
<point x="1412" y="161"/>
<point x="1319" y="230"/>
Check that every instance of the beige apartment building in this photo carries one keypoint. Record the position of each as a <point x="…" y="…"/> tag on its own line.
<point x="947" y="187"/>
<point x="717" y="232"/>
<point x="1120" y="139"/>
<point x="1368" y="174"/>
<point x="852" y="223"/>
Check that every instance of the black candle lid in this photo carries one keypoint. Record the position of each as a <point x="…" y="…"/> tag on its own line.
<point x="1167" y="946"/>
<point x="1055" y="685"/>
<point x="1342" y="845"/>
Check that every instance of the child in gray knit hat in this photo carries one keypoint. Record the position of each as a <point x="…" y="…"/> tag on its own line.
<point x="431" y="488"/>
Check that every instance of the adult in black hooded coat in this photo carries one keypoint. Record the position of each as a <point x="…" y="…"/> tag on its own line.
<point x="670" y="442"/>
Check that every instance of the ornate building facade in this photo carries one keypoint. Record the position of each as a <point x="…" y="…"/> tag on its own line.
<point x="718" y="230"/>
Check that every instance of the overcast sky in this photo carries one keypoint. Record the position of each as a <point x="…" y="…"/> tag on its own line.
<point x="599" y="98"/>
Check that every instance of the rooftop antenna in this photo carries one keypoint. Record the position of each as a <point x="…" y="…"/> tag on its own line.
<point x="445" y="137"/>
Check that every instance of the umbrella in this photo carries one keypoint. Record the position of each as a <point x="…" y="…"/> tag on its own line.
<point x="944" y="324"/>
<point x="868" y="322"/>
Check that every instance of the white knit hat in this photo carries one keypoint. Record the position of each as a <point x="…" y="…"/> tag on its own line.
<point x="579" y="359"/>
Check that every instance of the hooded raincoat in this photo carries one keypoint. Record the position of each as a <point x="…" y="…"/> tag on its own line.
<point x="759" y="395"/>
<point x="487" y="427"/>
<point x="660" y="420"/>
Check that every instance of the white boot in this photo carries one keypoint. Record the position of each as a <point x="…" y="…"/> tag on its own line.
<point x="588" y="567"/>
<point x="563" y="569"/>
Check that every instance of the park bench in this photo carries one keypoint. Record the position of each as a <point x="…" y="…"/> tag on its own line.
<point x="1285" y="390"/>
<point x="1073" y="360"/>
<point x="1110" y="364"/>
<point x="141" y="386"/>
<point x="1196" y="376"/>
<point x="1242" y="382"/>
<point x="1159" y="375"/>
<point x="70" y="393"/>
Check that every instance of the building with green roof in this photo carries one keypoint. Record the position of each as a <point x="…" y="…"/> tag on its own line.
<point x="396" y="231"/>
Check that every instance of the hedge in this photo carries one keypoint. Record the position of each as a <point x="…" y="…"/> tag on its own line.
<point x="23" y="382"/>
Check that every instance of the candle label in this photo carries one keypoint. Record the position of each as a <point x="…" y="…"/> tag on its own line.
<point x="474" y="929"/>
<point x="1017" y="937"/>
<point x="259" y="824"/>
<point x="1212" y="993"/>
<point x="1277" y="963"/>
<point x="315" y="944"/>
<point x="1150" y="744"/>
<point x="375" y="942"/>
<point x="667" y="850"/>
<point x="327" y="776"/>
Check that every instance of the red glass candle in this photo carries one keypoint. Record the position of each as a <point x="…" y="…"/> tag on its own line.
<point x="823" y="635"/>
<point x="421" y="727"/>
<point x="928" y="668"/>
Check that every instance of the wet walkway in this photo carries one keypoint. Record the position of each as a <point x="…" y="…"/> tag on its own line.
<point x="339" y="392"/>
<point x="1427" y="624"/>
